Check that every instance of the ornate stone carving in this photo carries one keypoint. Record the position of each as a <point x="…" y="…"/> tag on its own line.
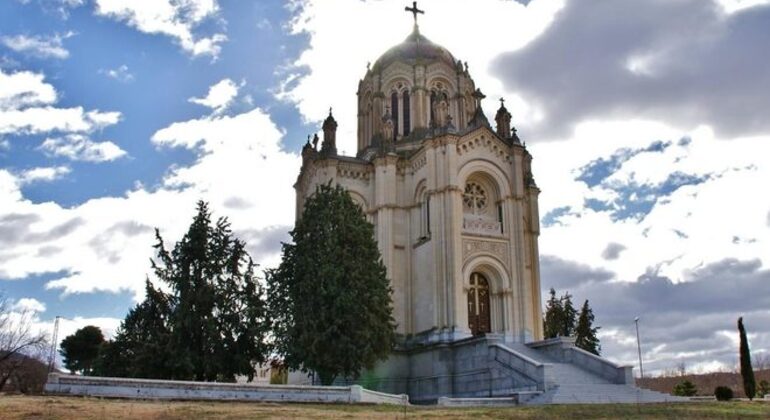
<point x="474" y="246"/>
<point x="480" y="225"/>
<point x="495" y="146"/>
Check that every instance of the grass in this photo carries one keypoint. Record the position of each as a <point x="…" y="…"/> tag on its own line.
<point x="45" y="407"/>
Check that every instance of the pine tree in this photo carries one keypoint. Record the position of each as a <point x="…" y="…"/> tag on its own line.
<point x="747" y="372"/>
<point x="568" y="316"/>
<point x="330" y="297"/>
<point x="585" y="332"/>
<point x="81" y="349"/>
<point x="552" y="321"/>
<point x="211" y="325"/>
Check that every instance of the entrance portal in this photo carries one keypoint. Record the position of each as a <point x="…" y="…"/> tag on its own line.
<point x="478" y="305"/>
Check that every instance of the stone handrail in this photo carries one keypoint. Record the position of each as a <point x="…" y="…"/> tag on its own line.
<point x="527" y="367"/>
<point x="563" y="349"/>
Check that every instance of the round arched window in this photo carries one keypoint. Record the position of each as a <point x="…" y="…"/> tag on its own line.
<point x="475" y="197"/>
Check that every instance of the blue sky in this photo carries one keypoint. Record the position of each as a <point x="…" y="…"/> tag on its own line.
<point x="647" y="123"/>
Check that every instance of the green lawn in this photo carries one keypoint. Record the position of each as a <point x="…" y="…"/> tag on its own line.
<point x="43" y="407"/>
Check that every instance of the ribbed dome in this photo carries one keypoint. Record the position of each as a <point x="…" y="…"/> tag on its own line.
<point x="415" y="47"/>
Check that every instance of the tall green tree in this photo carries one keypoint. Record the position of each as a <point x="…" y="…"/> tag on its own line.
<point x="330" y="297"/>
<point x="568" y="316"/>
<point x="212" y="323"/>
<point x="81" y="349"/>
<point x="747" y="372"/>
<point x="552" y="321"/>
<point x="141" y="348"/>
<point x="585" y="332"/>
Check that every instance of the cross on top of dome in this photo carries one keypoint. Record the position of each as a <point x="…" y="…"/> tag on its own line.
<point x="414" y="10"/>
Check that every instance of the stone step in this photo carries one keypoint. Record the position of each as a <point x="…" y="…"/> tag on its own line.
<point x="601" y="393"/>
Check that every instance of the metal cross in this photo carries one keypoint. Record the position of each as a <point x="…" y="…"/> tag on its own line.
<point x="414" y="11"/>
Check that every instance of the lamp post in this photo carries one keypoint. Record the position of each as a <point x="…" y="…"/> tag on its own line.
<point x="639" y="348"/>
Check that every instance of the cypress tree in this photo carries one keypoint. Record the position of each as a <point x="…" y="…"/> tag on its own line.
<point x="747" y="373"/>
<point x="330" y="297"/>
<point x="552" y="321"/>
<point x="585" y="331"/>
<point x="568" y="316"/>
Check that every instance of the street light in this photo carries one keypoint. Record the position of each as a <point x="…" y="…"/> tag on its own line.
<point x="639" y="348"/>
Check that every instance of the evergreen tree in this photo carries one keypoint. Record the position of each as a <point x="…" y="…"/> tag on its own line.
<point x="141" y="345"/>
<point x="81" y="349"/>
<point x="552" y="321"/>
<point x="568" y="316"/>
<point x="211" y="325"/>
<point x="330" y="298"/>
<point x="747" y="372"/>
<point x="585" y="332"/>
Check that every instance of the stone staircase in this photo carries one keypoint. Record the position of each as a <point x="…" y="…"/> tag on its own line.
<point x="569" y="379"/>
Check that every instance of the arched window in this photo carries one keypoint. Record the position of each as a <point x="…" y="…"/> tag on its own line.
<point x="475" y="198"/>
<point x="394" y="113"/>
<point x="432" y="103"/>
<point x="482" y="207"/>
<point x="407" y="117"/>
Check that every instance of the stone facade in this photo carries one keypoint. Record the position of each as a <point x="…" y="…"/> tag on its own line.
<point x="453" y="201"/>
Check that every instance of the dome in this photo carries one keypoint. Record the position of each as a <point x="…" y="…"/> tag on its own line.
<point x="415" y="47"/>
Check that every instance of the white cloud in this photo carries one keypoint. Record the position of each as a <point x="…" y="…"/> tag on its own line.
<point x="105" y="243"/>
<point x="80" y="147"/>
<point x="38" y="46"/>
<point x="693" y="226"/>
<point x="25" y="108"/>
<point x="121" y="74"/>
<point x="219" y="96"/>
<point x="49" y="119"/>
<point x="24" y="88"/>
<point x="43" y="174"/>
<point x="175" y="18"/>
<point x="28" y="305"/>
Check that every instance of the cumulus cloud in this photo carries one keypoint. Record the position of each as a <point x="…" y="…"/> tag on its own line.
<point x="121" y="74"/>
<point x="691" y="322"/>
<point x="219" y="96"/>
<point x="176" y="19"/>
<point x="43" y="174"/>
<point x="101" y="245"/>
<point x="613" y="250"/>
<point x="38" y="46"/>
<point x="683" y="62"/>
<point x="28" y="305"/>
<point x="25" y="108"/>
<point x="80" y="147"/>
<point x="24" y="88"/>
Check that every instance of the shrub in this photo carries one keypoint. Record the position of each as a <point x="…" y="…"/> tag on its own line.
<point x="723" y="393"/>
<point x="685" y="389"/>
<point x="764" y="388"/>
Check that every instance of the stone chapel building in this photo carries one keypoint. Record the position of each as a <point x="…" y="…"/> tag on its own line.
<point x="455" y="211"/>
<point x="453" y="200"/>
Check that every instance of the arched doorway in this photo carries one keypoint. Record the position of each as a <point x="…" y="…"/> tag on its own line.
<point x="478" y="305"/>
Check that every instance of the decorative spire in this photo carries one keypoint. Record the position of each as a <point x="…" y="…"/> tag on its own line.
<point x="503" y="119"/>
<point x="478" y="117"/>
<point x="329" y="145"/>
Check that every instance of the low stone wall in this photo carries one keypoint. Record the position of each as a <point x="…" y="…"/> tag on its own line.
<point x="563" y="349"/>
<point x="183" y="390"/>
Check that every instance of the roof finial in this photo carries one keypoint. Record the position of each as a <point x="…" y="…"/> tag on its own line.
<point x="502" y="102"/>
<point x="330" y="111"/>
<point x="414" y="10"/>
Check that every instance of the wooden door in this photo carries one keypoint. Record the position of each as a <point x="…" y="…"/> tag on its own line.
<point x="478" y="305"/>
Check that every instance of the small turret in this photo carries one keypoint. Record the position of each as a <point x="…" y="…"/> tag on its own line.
<point x="503" y="119"/>
<point x="479" y="118"/>
<point x="329" y="144"/>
